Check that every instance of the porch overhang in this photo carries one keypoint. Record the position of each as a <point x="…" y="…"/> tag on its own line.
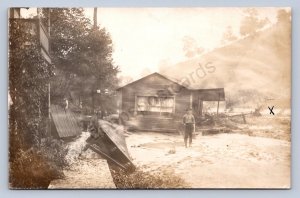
<point x="217" y="94"/>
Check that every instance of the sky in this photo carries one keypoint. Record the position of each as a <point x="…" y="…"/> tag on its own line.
<point x="146" y="38"/>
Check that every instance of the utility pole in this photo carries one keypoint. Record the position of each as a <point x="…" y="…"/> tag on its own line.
<point x="49" y="85"/>
<point x="92" y="91"/>
<point x="99" y="87"/>
<point x="95" y="17"/>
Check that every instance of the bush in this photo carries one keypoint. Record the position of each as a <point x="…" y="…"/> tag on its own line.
<point x="146" y="180"/>
<point x="36" y="167"/>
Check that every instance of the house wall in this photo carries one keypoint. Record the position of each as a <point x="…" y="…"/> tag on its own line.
<point x="182" y="103"/>
<point x="151" y="86"/>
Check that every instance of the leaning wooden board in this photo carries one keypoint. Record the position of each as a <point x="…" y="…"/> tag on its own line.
<point x="65" y="122"/>
<point x="100" y="151"/>
<point x="115" y="134"/>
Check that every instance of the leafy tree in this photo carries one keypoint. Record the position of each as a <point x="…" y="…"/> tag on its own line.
<point x="228" y="35"/>
<point x="251" y="22"/>
<point x="284" y="18"/>
<point x="83" y="55"/>
<point x="190" y="47"/>
<point x="31" y="165"/>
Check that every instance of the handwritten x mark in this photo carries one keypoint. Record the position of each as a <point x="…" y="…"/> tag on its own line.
<point x="271" y="110"/>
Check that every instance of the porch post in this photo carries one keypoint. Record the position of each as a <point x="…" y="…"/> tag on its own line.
<point x="200" y="106"/>
<point x="135" y="105"/>
<point x="191" y="100"/>
<point x="218" y="105"/>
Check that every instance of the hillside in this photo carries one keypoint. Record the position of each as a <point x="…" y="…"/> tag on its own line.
<point x="251" y="70"/>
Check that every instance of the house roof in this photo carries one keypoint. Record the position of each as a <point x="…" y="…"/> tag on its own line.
<point x="148" y="76"/>
<point x="217" y="94"/>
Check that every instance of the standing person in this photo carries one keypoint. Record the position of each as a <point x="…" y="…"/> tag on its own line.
<point x="66" y="105"/>
<point x="189" y="123"/>
<point x="105" y="113"/>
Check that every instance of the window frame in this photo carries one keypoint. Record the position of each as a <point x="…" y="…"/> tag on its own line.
<point x="153" y="113"/>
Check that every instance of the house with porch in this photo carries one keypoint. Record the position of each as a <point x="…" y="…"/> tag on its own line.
<point x="157" y="103"/>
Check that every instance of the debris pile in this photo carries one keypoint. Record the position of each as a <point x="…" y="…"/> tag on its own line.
<point x="75" y="148"/>
<point x="222" y="123"/>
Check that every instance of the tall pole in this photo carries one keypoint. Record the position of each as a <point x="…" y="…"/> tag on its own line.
<point x="95" y="26"/>
<point x="95" y="17"/>
<point x="49" y="85"/>
<point x="49" y="10"/>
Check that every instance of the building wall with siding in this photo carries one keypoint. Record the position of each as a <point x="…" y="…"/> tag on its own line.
<point x="154" y="85"/>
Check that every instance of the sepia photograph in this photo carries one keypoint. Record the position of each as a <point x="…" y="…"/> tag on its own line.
<point x="149" y="98"/>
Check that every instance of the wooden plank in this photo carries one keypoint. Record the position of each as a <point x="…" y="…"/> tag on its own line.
<point x="115" y="143"/>
<point x="117" y="137"/>
<point x="56" y="117"/>
<point x="98" y="150"/>
<point x="65" y="122"/>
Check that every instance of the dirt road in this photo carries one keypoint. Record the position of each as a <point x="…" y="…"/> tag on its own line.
<point x="219" y="161"/>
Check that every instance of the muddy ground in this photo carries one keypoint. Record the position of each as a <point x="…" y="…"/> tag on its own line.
<point x="251" y="155"/>
<point x="218" y="161"/>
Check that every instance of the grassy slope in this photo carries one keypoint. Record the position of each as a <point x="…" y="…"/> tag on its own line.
<point x="255" y="67"/>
